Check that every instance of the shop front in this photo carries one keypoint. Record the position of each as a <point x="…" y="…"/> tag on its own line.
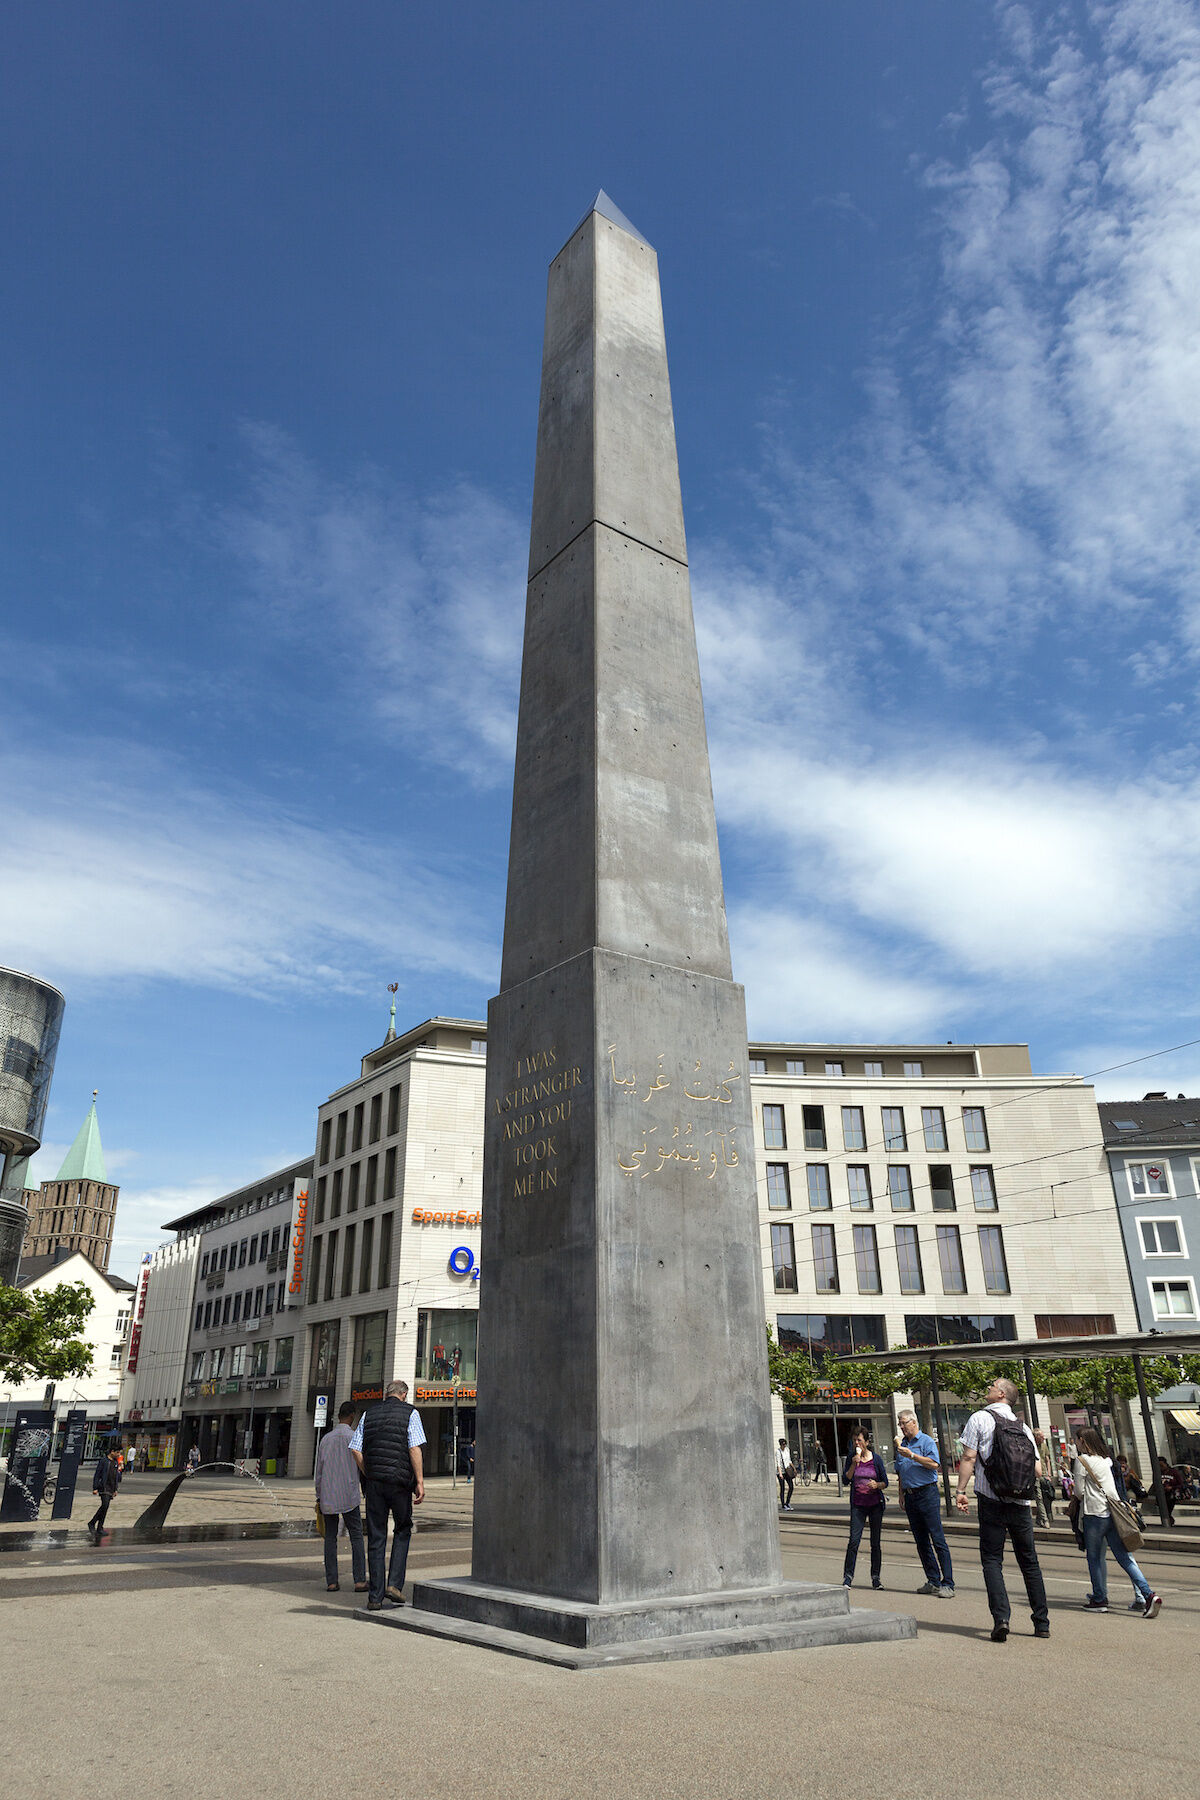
<point x="444" y="1387"/>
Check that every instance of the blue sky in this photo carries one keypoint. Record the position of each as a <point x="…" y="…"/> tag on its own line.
<point x="271" y="330"/>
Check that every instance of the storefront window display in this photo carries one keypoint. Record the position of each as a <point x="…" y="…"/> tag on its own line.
<point x="370" y="1337"/>
<point x="446" y="1344"/>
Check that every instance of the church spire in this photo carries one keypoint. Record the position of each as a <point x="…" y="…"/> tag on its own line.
<point x="85" y="1159"/>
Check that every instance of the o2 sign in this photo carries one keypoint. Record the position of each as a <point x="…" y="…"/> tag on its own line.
<point x="462" y="1262"/>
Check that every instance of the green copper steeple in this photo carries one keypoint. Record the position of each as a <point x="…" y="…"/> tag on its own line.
<point x="85" y="1159"/>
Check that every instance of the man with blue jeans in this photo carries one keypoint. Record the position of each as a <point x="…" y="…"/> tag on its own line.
<point x="917" y="1466"/>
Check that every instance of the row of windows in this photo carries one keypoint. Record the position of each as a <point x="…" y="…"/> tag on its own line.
<point x="244" y="1254"/>
<point x="359" y="1181"/>
<point x="826" y="1271"/>
<point x="861" y="1194"/>
<point x="242" y="1359"/>
<point x="254" y="1303"/>
<point x="872" y="1071"/>
<point x="893" y="1124"/>
<point x="358" y="1260"/>
<point x="853" y="1334"/>
<point x="1150" y="1179"/>
<point x="334" y="1131"/>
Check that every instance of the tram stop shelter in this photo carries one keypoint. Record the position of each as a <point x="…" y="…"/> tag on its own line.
<point x="1136" y="1345"/>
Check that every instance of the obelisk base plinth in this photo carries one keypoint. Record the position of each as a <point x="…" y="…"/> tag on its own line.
<point x="796" y="1615"/>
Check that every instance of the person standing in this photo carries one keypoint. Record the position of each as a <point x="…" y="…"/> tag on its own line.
<point x="1096" y="1486"/>
<point x="339" y="1492"/>
<point x="785" y="1474"/>
<point x="387" y="1448"/>
<point x="1001" y="1453"/>
<point x="1045" y="1479"/>
<point x="917" y="1468"/>
<point x="866" y="1478"/>
<point x="105" y="1483"/>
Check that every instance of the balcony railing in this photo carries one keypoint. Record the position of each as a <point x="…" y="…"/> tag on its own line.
<point x="215" y="1281"/>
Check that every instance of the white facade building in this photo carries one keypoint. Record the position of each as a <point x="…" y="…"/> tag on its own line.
<point x="157" y="1358"/>
<point x="106" y="1332"/>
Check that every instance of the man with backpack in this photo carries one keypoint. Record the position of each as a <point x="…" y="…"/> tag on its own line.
<point x="1001" y="1454"/>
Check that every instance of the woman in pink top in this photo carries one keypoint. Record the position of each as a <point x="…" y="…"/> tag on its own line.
<point x="866" y="1477"/>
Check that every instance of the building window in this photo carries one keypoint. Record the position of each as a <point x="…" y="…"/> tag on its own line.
<point x="779" y="1187"/>
<point x="975" y="1128"/>
<point x="1162" y="1237"/>
<point x="370" y="1336"/>
<point x="858" y="1180"/>
<point x="393" y="1122"/>
<point x="1149" y="1178"/>
<point x="258" y="1303"/>
<point x="866" y="1259"/>
<point x="319" y="1215"/>
<point x="941" y="1187"/>
<point x="908" y="1260"/>
<point x="446" y="1344"/>
<point x="758" y="1065"/>
<point x="894" y="1135"/>
<point x="819" y="1197"/>
<point x="389" y="1174"/>
<point x="376" y="1125"/>
<point x="830" y="1334"/>
<point x="783" y="1259"/>
<point x="352" y="1187"/>
<point x="995" y="1269"/>
<point x="339" y="1148"/>
<point x="259" y="1355"/>
<point x="203" y="1266"/>
<point x="365" y="1260"/>
<point x="372" y="1181"/>
<point x="1171" y="1299"/>
<point x="954" y="1280"/>
<point x="269" y="1299"/>
<point x="478" y="1046"/>
<point x="314" y="1269"/>
<point x="283" y="1355"/>
<point x="335" y="1204"/>
<point x="325" y="1345"/>
<point x="900" y="1187"/>
<point x="854" y="1131"/>
<point x="933" y="1123"/>
<point x="225" y="1309"/>
<point x="794" y="1066"/>
<point x="331" y="1244"/>
<point x="983" y="1188"/>
<point x="199" y="1320"/>
<point x="253" y="1257"/>
<point x="825" y="1270"/>
<point x="208" y="1312"/>
<point x="923" y="1330"/>
<point x="1069" y="1325"/>
<point x="198" y="1357"/>
<point x="385" y="1250"/>
<point x="348" y="1261"/>
<point x="237" y="1360"/>
<point x="814" y="1127"/>
<point x="243" y="1247"/>
<point x="356" y="1134"/>
<point x="914" y="1071"/>
<point x="326" y="1129"/>
<point x="774" y="1128"/>
<point x="835" y="1068"/>
<point x="873" y="1071"/>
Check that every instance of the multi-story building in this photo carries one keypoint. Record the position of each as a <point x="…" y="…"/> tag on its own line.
<point x="106" y="1332"/>
<point x="924" y="1194"/>
<point x="156" y="1362"/>
<point x="392" y="1259"/>
<point x="1153" y="1150"/>
<point x="243" y="1378"/>
<point x="76" y="1210"/>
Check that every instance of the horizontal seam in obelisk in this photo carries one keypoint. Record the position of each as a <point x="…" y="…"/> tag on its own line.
<point x="651" y="962"/>
<point x="617" y="531"/>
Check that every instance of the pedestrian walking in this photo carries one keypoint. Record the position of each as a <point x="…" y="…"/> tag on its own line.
<point x="386" y="1445"/>
<point x="1096" y="1487"/>
<point x="999" y="1450"/>
<point x="866" y="1478"/>
<point x="917" y="1468"/>
<point x="105" y="1483"/>
<point x="1045" y="1479"/>
<point x="785" y="1474"/>
<point x="820" y="1466"/>
<point x="338" y="1487"/>
<point x="193" y="1459"/>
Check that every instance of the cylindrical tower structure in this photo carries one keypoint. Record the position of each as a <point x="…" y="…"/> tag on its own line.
<point x="31" y="1014"/>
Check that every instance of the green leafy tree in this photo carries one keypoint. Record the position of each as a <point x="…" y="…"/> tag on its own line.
<point x="39" y="1332"/>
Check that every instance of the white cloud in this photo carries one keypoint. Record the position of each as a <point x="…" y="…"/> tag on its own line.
<point x="803" y="979"/>
<point x="415" y="604"/>
<point x="118" y="868"/>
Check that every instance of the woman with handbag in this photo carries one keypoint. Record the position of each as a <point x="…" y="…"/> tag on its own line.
<point x="866" y="1478"/>
<point x="785" y="1475"/>
<point x="1102" y="1514"/>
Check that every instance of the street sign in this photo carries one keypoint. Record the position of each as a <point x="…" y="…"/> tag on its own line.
<point x="321" y="1409"/>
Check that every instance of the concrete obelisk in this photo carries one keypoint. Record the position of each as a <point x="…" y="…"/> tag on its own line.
<point x="624" y="1505"/>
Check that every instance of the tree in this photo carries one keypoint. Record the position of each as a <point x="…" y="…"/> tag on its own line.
<point x="39" y="1329"/>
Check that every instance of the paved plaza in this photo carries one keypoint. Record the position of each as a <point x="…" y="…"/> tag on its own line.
<point x="227" y="1667"/>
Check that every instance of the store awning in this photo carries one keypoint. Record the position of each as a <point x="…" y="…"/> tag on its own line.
<point x="1190" y="1421"/>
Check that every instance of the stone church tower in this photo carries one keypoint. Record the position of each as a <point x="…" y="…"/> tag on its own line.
<point x="76" y="1210"/>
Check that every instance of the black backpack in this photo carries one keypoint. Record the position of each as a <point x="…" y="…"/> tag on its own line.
<point x="1011" y="1468"/>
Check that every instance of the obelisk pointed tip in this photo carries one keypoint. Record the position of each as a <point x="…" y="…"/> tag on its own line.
<point x="608" y="209"/>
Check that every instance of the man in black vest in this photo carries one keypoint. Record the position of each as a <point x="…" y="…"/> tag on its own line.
<point x="387" y="1449"/>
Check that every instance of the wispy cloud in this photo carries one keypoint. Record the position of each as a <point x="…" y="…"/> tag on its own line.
<point x="118" y="867"/>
